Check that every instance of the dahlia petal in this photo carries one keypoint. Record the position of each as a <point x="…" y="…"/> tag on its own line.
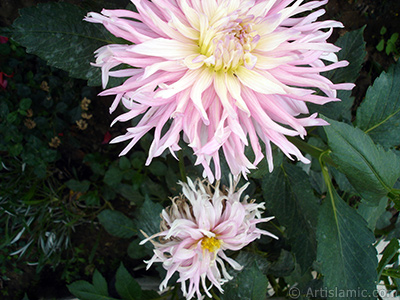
<point x="234" y="90"/>
<point x="257" y="82"/>
<point x="203" y="81"/>
<point x="226" y="72"/>
<point x="222" y="92"/>
<point x="185" y="82"/>
<point x="202" y="258"/>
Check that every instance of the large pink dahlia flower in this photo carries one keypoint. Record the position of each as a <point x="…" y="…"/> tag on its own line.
<point x="225" y="72"/>
<point x="196" y="230"/>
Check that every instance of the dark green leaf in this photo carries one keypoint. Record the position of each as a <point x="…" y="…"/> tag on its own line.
<point x="25" y="297"/>
<point x="78" y="186"/>
<point x="288" y="195"/>
<point x="25" y="103"/>
<point x="129" y="193"/>
<point x="158" y="168"/>
<point x="16" y="149"/>
<point x="113" y="176"/>
<point x="124" y="163"/>
<point x="353" y="50"/>
<point x="250" y="284"/>
<point x="379" y="113"/>
<point x="117" y="224"/>
<point x="370" y="169"/>
<point x="149" y="295"/>
<point x="336" y="110"/>
<point x="126" y="286"/>
<point x="284" y="266"/>
<point x="12" y="117"/>
<point x="56" y="32"/>
<point x="137" y="251"/>
<point x="83" y="290"/>
<point x="138" y="159"/>
<point x="91" y="198"/>
<point x="99" y="283"/>
<point x="371" y="214"/>
<point x="390" y="251"/>
<point x="345" y="248"/>
<point x="147" y="218"/>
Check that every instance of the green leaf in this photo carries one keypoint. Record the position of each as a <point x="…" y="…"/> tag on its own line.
<point x="379" y="113"/>
<point x="370" y="169"/>
<point x="25" y="103"/>
<point x="395" y="273"/>
<point x="381" y="45"/>
<point x="353" y="50"/>
<point x="137" y="251"/>
<point x="99" y="283"/>
<point x="15" y="150"/>
<point x="289" y="196"/>
<point x="129" y="193"/>
<point x="149" y="295"/>
<point x="113" y="176"/>
<point x="56" y="33"/>
<point x="336" y="110"/>
<point x="25" y="297"/>
<point x="91" y="198"/>
<point x="394" y="37"/>
<point x="124" y="163"/>
<point x="158" y="168"/>
<point x="250" y="284"/>
<point x="390" y="251"/>
<point x="147" y="218"/>
<point x="283" y="266"/>
<point x="83" y="290"/>
<point x="371" y="214"/>
<point x="12" y="117"/>
<point x="78" y="186"/>
<point x="345" y="251"/>
<point x="117" y="224"/>
<point x="126" y="286"/>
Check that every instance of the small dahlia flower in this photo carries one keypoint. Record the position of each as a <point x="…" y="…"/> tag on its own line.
<point x="226" y="74"/>
<point x="196" y="230"/>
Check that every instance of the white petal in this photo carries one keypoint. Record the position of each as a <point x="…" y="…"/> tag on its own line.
<point x="258" y="82"/>
<point x="203" y="81"/>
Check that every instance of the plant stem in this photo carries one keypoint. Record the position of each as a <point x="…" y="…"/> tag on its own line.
<point x="182" y="166"/>
<point x="312" y="150"/>
<point x="215" y="295"/>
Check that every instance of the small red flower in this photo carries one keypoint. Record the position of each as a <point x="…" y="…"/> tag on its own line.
<point x="107" y="138"/>
<point x="3" y="81"/>
<point x="3" y="39"/>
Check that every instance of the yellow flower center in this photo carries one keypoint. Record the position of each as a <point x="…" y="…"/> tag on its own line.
<point x="225" y="47"/>
<point x="211" y="244"/>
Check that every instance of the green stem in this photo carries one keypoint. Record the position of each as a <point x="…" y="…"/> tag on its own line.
<point x="182" y="166"/>
<point x="310" y="149"/>
<point x="324" y="168"/>
<point x="214" y="295"/>
<point x="273" y="283"/>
